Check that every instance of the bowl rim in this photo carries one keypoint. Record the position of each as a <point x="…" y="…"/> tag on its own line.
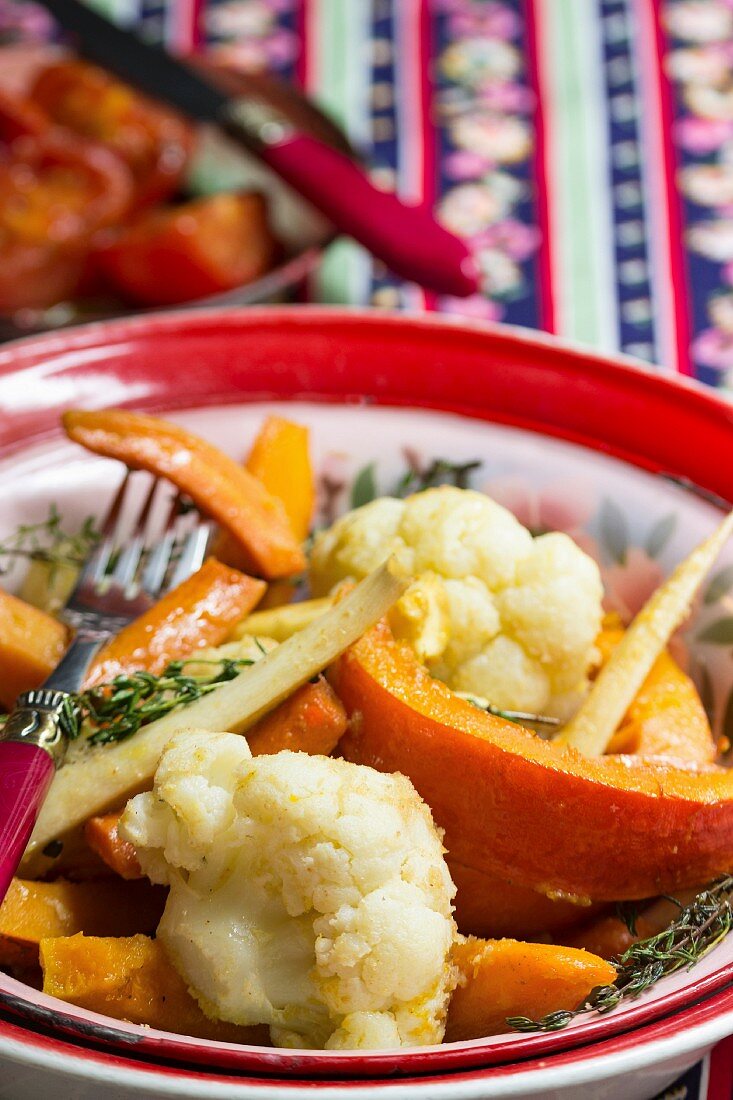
<point x="684" y="399"/>
<point x="55" y="353"/>
<point x="686" y="1032"/>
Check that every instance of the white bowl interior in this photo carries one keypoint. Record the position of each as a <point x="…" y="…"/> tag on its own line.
<point x="638" y="525"/>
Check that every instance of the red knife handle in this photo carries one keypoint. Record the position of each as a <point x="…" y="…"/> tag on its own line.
<point x="405" y="236"/>
<point x="26" y="772"/>
<point x="32" y="743"/>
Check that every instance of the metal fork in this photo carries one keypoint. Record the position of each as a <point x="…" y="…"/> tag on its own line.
<point x="119" y="580"/>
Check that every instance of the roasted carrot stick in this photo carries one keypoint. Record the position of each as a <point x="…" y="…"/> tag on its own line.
<point x="280" y="460"/>
<point x="312" y="720"/>
<point x="102" y="836"/>
<point x="218" y="486"/>
<point x="199" y="612"/>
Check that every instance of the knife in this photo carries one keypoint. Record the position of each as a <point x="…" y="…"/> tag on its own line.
<point x="406" y="237"/>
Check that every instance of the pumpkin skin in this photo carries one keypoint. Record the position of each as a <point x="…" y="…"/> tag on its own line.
<point x="533" y="812"/>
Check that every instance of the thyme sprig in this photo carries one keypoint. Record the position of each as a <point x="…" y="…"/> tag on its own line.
<point x="441" y="471"/>
<point x="47" y="541"/>
<point x="700" y="926"/>
<point x="519" y="717"/>
<point x="116" y="710"/>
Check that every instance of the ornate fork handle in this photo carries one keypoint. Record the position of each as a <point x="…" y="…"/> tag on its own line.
<point x="36" y="721"/>
<point x="32" y="746"/>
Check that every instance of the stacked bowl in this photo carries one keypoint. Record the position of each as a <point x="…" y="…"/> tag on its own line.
<point x="634" y="464"/>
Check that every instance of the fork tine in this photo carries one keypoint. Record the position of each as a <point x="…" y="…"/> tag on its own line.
<point x="193" y="552"/>
<point x="96" y="564"/>
<point x="129" y="560"/>
<point x="158" y="560"/>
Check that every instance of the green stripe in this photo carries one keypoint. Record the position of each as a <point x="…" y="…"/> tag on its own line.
<point x="576" y="129"/>
<point x="343" y="54"/>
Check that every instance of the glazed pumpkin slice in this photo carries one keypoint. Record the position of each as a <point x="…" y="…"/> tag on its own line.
<point x="666" y="720"/>
<point x="130" y="978"/>
<point x="218" y="486"/>
<point x="501" y="978"/>
<point x="534" y="812"/>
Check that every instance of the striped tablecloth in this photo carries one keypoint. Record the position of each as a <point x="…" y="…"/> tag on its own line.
<point x="584" y="146"/>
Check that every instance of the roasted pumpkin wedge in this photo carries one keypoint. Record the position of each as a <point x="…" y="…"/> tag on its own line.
<point x="533" y="812"/>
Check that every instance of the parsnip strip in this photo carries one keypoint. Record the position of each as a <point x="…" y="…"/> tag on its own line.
<point x="613" y="692"/>
<point x="281" y="622"/>
<point x="106" y="776"/>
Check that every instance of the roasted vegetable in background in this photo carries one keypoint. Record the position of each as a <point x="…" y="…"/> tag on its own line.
<point x="31" y="645"/>
<point x="200" y="248"/>
<point x="153" y="141"/>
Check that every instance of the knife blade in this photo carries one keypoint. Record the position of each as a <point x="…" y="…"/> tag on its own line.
<point x="406" y="237"/>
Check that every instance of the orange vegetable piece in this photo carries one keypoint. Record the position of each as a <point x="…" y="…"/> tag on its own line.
<point x="199" y="612"/>
<point x="667" y="717"/>
<point x="501" y="978"/>
<point x="218" y="486"/>
<point x="33" y="911"/>
<point x="486" y="905"/>
<point x="609" y="936"/>
<point x="280" y="459"/>
<point x="31" y="645"/>
<point x="312" y="720"/>
<point x="132" y="979"/>
<point x="102" y="836"/>
<point x="526" y="810"/>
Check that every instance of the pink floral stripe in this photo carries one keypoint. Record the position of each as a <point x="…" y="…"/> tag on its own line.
<point x="425" y="61"/>
<point x="670" y="213"/>
<point x="303" y="62"/>
<point x="548" y="320"/>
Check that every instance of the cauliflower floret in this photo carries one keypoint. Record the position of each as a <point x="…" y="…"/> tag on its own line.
<point x="493" y="611"/>
<point x="306" y="893"/>
<point x="459" y="533"/>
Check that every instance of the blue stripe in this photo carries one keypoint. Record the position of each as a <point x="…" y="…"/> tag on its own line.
<point x="636" y="333"/>
<point x="475" y="53"/>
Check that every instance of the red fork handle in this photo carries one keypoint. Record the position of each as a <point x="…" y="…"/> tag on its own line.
<point x="32" y="745"/>
<point x="405" y="236"/>
<point x="26" y="771"/>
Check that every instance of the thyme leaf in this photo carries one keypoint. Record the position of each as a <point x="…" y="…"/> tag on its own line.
<point x="48" y="541"/>
<point x="441" y="471"/>
<point x="699" y="928"/>
<point x="519" y="717"/>
<point x="116" y="710"/>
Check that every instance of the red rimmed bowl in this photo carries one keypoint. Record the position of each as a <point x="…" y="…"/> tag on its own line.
<point x="629" y="462"/>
